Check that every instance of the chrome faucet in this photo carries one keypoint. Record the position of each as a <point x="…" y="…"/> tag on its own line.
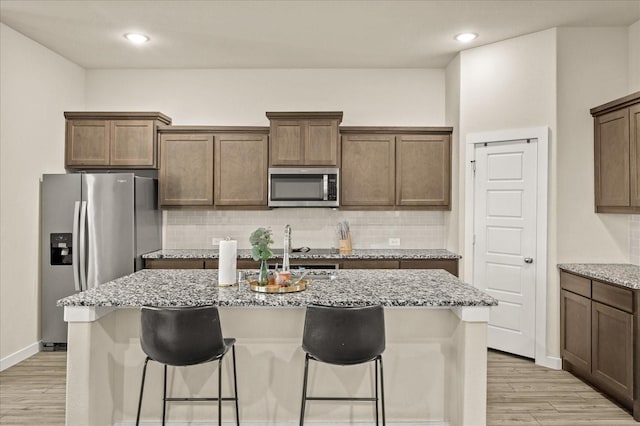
<point x="287" y="247"/>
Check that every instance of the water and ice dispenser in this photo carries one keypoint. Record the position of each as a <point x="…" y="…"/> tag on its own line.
<point x="61" y="249"/>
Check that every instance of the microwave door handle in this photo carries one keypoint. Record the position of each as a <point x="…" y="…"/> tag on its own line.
<point x="83" y="245"/>
<point x="75" y="246"/>
<point x="325" y="187"/>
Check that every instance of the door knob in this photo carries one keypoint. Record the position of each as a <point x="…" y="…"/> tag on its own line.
<point x="528" y="260"/>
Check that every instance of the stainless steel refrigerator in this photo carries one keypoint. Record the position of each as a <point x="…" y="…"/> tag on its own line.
<point x="95" y="228"/>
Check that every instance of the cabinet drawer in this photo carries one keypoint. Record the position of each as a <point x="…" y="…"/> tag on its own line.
<point x="611" y="295"/>
<point x="211" y="264"/>
<point x="450" y="266"/>
<point x="575" y="284"/>
<point x="174" y="264"/>
<point x="370" y="264"/>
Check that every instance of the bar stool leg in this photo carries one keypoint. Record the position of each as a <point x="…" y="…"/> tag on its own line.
<point x="164" y="395"/>
<point x="220" y="391"/>
<point x="235" y="383"/>
<point x="376" y="378"/>
<point x="382" y="390"/>
<point x="144" y="375"/>
<point x="304" y="388"/>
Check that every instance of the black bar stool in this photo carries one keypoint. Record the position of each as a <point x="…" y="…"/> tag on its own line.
<point x="343" y="336"/>
<point x="181" y="336"/>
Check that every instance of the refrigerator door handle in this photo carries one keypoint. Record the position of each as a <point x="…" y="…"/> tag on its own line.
<point x="75" y="241"/>
<point x="83" y="245"/>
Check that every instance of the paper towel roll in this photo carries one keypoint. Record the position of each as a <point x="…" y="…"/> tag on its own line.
<point x="227" y="262"/>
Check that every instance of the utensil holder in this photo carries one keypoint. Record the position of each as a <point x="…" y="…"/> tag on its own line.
<point x="344" y="246"/>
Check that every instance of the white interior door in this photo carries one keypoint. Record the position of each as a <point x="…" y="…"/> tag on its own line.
<point x="505" y="240"/>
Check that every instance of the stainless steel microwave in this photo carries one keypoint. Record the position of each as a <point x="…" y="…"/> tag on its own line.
<point x="303" y="187"/>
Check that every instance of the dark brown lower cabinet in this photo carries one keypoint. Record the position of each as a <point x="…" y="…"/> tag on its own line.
<point x="449" y="265"/>
<point x="600" y="336"/>
<point x="576" y="330"/>
<point x="612" y="351"/>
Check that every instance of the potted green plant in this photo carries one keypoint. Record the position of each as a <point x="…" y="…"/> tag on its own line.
<point x="260" y="240"/>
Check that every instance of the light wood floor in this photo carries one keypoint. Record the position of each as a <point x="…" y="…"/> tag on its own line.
<point x="519" y="393"/>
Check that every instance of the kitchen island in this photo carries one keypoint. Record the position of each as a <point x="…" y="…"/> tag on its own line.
<point x="435" y="360"/>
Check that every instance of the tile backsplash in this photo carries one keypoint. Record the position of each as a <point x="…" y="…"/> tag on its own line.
<point x="316" y="228"/>
<point x="634" y="239"/>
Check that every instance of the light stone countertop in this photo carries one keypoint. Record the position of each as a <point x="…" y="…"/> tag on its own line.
<point x="196" y="287"/>
<point x="404" y="254"/>
<point x="623" y="274"/>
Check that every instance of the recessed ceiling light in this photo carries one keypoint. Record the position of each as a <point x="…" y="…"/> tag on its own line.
<point x="136" y="38"/>
<point x="466" y="37"/>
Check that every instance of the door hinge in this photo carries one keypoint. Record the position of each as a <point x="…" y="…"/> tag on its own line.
<point x="473" y="166"/>
<point x="473" y="242"/>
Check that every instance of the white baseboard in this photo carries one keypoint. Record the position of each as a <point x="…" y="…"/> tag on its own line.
<point x="263" y="423"/>
<point x="550" y="362"/>
<point x="19" y="356"/>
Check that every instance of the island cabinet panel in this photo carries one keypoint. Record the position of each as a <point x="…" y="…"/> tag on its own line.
<point x="87" y="143"/>
<point x="617" y="155"/>
<point x="600" y="339"/>
<point x="304" y="138"/>
<point x="186" y="169"/>
<point x="112" y="139"/>
<point x="240" y="170"/>
<point x="423" y="170"/>
<point x="368" y="170"/>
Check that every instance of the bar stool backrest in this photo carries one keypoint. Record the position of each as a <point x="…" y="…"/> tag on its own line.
<point x="181" y="335"/>
<point x="344" y="335"/>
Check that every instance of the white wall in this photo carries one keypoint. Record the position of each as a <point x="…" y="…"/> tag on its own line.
<point x="634" y="57"/>
<point x="452" y="118"/>
<point x="391" y="97"/>
<point x="36" y="86"/>
<point x="509" y="85"/>
<point x="583" y="235"/>
<point x="398" y="97"/>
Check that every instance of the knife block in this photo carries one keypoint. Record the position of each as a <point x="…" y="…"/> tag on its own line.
<point x="344" y="246"/>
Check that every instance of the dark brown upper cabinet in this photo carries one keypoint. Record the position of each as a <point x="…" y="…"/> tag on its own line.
<point x="617" y="155"/>
<point x="304" y="138"/>
<point x="221" y="166"/>
<point x="112" y="139"/>
<point x="396" y="168"/>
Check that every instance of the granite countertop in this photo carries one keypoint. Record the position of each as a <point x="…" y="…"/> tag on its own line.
<point x="196" y="287"/>
<point x="404" y="254"/>
<point x="623" y="274"/>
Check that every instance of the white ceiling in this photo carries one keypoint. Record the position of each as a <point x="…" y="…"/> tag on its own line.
<point x="291" y="34"/>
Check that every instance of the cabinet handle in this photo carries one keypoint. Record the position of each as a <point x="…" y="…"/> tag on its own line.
<point x="528" y="260"/>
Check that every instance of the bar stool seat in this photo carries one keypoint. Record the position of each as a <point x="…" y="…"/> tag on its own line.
<point x="182" y="336"/>
<point x="344" y="336"/>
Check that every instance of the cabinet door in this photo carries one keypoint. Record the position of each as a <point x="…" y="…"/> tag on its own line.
<point x="186" y="169"/>
<point x="133" y="143"/>
<point x="634" y="137"/>
<point x="575" y="330"/>
<point x="240" y="170"/>
<point x="612" y="159"/>
<point x="321" y="143"/>
<point x="612" y="351"/>
<point x="87" y="143"/>
<point x="423" y="170"/>
<point x="368" y="170"/>
<point x="287" y="142"/>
